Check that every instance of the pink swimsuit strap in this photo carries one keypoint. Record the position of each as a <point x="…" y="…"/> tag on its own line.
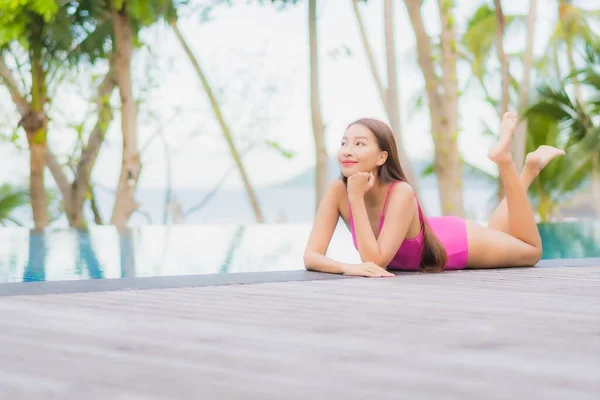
<point x="387" y="195"/>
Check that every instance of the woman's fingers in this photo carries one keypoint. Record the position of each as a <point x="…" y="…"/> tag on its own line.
<point x="379" y="272"/>
<point x="370" y="269"/>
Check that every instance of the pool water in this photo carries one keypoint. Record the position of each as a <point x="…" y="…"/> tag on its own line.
<point x="103" y="253"/>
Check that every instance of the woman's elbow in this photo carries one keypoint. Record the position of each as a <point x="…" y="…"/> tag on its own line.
<point x="309" y="260"/>
<point x="375" y="259"/>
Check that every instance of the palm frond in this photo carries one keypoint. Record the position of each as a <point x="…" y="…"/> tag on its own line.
<point x="552" y="103"/>
<point x="10" y="200"/>
<point x="576" y="171"/>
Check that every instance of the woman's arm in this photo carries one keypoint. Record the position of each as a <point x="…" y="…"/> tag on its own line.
<point x="401" y="209"/>
<point x="326" y="220"/>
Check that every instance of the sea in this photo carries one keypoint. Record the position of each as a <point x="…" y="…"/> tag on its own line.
<point x="279" y="205"/>
<point x="288" y="204"/>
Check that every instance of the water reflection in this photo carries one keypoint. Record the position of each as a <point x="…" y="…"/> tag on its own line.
<point x="87" y="256"/>
<point x="235" y="243"/>
<point x="35" y="269"/>
<point x="571" y="240"/>
<point x="104" y="253"/>
<point x="127" y="254"/>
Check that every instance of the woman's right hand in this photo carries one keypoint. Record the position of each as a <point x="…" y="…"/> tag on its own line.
<point x="368" y="269"/>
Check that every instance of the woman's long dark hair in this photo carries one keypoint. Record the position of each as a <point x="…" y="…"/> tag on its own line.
<point x="434" y="255"/>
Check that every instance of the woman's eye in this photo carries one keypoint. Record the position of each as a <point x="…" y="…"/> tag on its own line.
<point x="360" y="144"/>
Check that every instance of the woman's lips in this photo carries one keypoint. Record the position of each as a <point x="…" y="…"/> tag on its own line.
<point x="347" y="163"/>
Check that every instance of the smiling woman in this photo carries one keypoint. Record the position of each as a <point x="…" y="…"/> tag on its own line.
<point x="373" y="189"/>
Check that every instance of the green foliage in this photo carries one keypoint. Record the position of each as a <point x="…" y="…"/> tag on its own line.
<point x="479" y="39"/>
<point x="146" y="12"/>
<point x="10" y="200"/>
<point x="574" y="28"/>
<point x="277" y="147"/>
<point x="17" y="17"/>
<point x="478" y="48"/>
<point x="558" y="120"/>
<point x="469" y="169"/>
<point x="589" y="76"/>
<point x="429" y="170"/>
<point x="557" y="105"/>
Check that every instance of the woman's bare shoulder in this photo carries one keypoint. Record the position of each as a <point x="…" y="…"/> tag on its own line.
<point x="336" y="193"/>
<point x="403" y="188"/>
<point x="337" y="186"/>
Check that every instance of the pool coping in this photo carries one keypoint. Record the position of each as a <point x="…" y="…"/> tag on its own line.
<point x="181" y="281"/>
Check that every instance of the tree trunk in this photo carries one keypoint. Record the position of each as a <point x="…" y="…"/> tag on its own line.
<point x="545" y="207"/>
<point x="315" y="106"/>
<point x="448" y="164"/>
<point x="389" y="95"/>
<point x="596" y="183"/>
<point x="95" y="209"/>
<point x="80" y="189"/>
<point x="125" y="203"/>
<point x="222" y="123"/>
<point x="565" y="9"/>
<point x="505" y="81"/>
<point x="521" y="130"/>
<point x="573" y="68"/>
<point x="505" y="78"/>
<point x="392" y="104"/>
<point x="13" y="88"/>
<point x="37" y="154"/>
<point x="369" y="52"/>
<point x="35" y="124"/>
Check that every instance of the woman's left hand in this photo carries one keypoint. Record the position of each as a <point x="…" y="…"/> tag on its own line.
<point x="360" y="183"/>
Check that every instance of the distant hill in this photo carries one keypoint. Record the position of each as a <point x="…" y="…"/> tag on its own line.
<point x="472" y="176"/>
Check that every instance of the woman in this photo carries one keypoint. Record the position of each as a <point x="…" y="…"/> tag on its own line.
<point x="384" y="216"/>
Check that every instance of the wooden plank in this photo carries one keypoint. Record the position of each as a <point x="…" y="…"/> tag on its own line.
<point x="468" y="335"/>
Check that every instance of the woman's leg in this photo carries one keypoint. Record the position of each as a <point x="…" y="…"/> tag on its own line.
<point x="521" y="219"/>
<point x="489" y="248"/>
<point x="534" y="163"/>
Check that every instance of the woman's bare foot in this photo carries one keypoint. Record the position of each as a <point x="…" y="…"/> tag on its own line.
<point x="501" y="151"/>
<point x="537" y="160"/>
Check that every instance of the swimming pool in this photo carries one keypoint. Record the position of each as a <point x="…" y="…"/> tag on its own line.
<point x="158" y="251"/>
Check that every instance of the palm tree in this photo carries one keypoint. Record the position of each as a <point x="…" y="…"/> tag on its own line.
<point x="388" y="89"/>
<point x="10" y="200"/>
<point x="589" y="137"/>
<point x="573" y="28"/>
<point x="441" y="84"/>
<point x="560" y="119"/>
<point x="486" y="30"/>
<point x="67" y="34"/>
<point x="316" y="113"/>
<point x="219" y="116"/>
<point x="564" y="175"/>
<point x="33" y="26"/>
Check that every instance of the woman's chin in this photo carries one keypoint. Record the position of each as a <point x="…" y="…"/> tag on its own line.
<point x="348" y="171"/>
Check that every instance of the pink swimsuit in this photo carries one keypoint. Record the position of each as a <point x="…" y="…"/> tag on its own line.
<point x="451" y="232"/>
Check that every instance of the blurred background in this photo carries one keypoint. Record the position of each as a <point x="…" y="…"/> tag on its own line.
<point x="134" y="112"/>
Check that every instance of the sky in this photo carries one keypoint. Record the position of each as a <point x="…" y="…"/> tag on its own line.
<point x="256" y="58"/>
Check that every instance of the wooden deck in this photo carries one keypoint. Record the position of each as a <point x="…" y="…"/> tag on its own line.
<point x="498" y="334"/>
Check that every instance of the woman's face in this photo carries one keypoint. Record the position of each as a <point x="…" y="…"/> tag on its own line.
<point x="359" y="151"/>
